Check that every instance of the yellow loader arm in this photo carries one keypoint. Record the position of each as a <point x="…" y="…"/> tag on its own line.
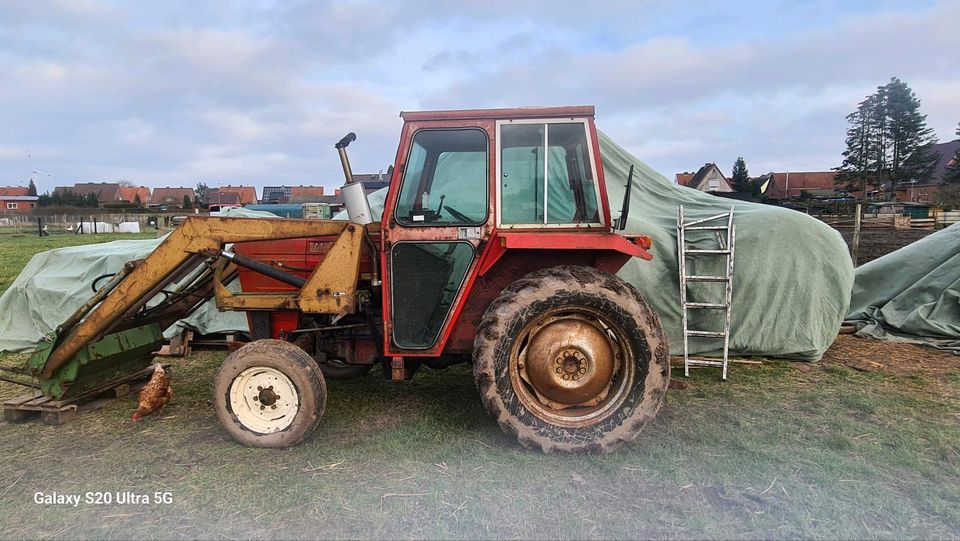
<point x="188" y="253"/>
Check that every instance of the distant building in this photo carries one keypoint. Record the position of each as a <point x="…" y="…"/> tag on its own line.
<point x="171" y="197"/>
<point x="708" y="178"/>
<point x="793" y="184"/>
<point x="14" y="190"/>
<point x="272" y="195"/>
<point x="14" y="200"/>
<point x="944" y="154"/>
<point x="130" y="194"/>
<point x="105" y="192"/>
<point x="243" y="195"/>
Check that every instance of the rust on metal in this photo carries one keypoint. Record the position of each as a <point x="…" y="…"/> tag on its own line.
<point x="569" y="366"/>
<point x="568" y="361"/>
<point x="332" y="287"/>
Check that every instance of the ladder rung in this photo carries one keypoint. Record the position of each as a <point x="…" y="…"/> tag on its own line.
<point x="713" y="334"/>
<point x="697" y="278"/>
<point x="691" y="252"/>
<point x="706" y="228"/>
<point x="706" y="305"/>
<point x="704" y="362"/>
<point x="725" y="215"/>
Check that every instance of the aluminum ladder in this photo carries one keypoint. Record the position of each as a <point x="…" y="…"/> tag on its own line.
<point x="725" y="233"/>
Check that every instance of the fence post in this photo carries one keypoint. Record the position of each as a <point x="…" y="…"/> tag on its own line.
<point x="855" y="245"/>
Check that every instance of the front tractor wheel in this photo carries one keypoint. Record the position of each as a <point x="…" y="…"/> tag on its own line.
<point x="269" y="393"/>
<point x="571" y="359"/>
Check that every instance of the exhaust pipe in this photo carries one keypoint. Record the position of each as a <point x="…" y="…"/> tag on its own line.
<point x="357" y="204"/>
<point x="354" y="197"/>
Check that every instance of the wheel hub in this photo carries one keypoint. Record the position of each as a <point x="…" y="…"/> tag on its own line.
<point x="264" y="400"/>
<point x="569" y="362"/>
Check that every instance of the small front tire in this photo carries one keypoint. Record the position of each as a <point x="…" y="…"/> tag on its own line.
<point x="269" y="393"/>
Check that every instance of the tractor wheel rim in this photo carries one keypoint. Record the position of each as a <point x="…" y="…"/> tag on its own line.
<point x="264" y="400"/>
<point x="570" y="366"/>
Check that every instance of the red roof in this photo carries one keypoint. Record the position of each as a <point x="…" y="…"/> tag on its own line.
<point x="306" y="191"/>
<point x="130" y="193"/>
<point x="684" y="179"/>
<point x="171" y="196"/>
<point x="14" y="190"/>
<point x="247" y="194"/>
<point x="792" y="184"/>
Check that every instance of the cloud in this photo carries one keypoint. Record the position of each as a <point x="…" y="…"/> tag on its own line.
<point x="178" y="92"/>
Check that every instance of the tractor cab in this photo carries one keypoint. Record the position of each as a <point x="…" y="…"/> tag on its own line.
<point x="466" y="187"/>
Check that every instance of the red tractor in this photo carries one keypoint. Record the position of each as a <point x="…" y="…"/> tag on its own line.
<point x="495" y="246"/>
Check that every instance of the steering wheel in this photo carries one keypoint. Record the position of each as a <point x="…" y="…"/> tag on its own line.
<point x="457" y="214"/>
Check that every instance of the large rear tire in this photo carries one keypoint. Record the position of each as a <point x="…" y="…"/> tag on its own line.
<point x="269" y="393"/>
<point x="571" y="359"/>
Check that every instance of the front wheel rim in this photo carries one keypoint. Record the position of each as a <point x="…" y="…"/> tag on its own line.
<point x="264" y="400"/>
<point x="564" y="375"/>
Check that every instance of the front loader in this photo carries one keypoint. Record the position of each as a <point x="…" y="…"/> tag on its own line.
<point x="495" y="247"/>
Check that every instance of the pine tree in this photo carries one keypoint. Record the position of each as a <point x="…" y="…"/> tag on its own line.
<point x="854" y="173"/>
<point x="136" y="201"/>
<point x="201" y="191"/>
<point x="888" y="140"/>
<point x="32" y="188"/>
<point x="908" y="137"/>
<point x="740" y="177"/>
<point x="187" y="202"/>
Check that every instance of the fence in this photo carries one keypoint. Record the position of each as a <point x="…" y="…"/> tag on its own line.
<point x="88" y="223"/>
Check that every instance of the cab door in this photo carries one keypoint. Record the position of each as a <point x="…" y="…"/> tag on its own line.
<point x="434" y="226"/>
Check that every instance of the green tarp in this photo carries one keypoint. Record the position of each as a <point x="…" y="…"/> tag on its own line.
<point x="57" y="282"/>
<point x="791" y="287"/>
<point x="913" y="294"/>
<point x="792" y="275"/>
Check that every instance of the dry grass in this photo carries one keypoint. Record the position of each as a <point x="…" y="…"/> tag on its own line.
<point x="782" y="450"/>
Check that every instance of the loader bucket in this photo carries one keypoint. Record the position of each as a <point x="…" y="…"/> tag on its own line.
<point x="110" y="358"/>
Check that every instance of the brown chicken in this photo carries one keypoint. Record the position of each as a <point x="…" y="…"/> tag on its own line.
<point x="155" y="395"/>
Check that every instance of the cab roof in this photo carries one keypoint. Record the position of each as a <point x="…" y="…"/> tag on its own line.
<point x="496" y="114"/>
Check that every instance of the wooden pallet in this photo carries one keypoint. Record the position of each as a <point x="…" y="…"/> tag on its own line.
<point x="57" y="412"/>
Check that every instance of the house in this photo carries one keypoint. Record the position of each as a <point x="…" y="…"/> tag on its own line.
<point x="246" y="195"/>
<point x="793" y="184"/>
<point x="106" y="192"/>
<point x="272" y="195"/>
<point x="10" y="204"/>
<point x="130" y="194"/>
<point x="708" y="178"/>
<point x="944" y="155"/>
<point x="171" y="197"/>
<point x="306" y="194"/>
<point x="291" y="194"/>
<point x="14" y="190"/>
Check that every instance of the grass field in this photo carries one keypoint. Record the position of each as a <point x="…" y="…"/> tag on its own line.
<point x="16" y="249"/>
<point x="782" y="450"/>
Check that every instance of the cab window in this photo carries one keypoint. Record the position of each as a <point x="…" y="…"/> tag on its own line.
<point x="446" y="179"/>
<point x="557" y="152"/>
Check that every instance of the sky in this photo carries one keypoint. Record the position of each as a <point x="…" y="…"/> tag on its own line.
<point x="257" y="92"/>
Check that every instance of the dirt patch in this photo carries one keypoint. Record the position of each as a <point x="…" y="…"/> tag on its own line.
<point x="878" y="242"/>
<point x="897" y="359"/>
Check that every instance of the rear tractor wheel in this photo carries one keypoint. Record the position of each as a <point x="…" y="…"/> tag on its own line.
<point x="269" y="393"/>
<point x="571" y="359"/>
